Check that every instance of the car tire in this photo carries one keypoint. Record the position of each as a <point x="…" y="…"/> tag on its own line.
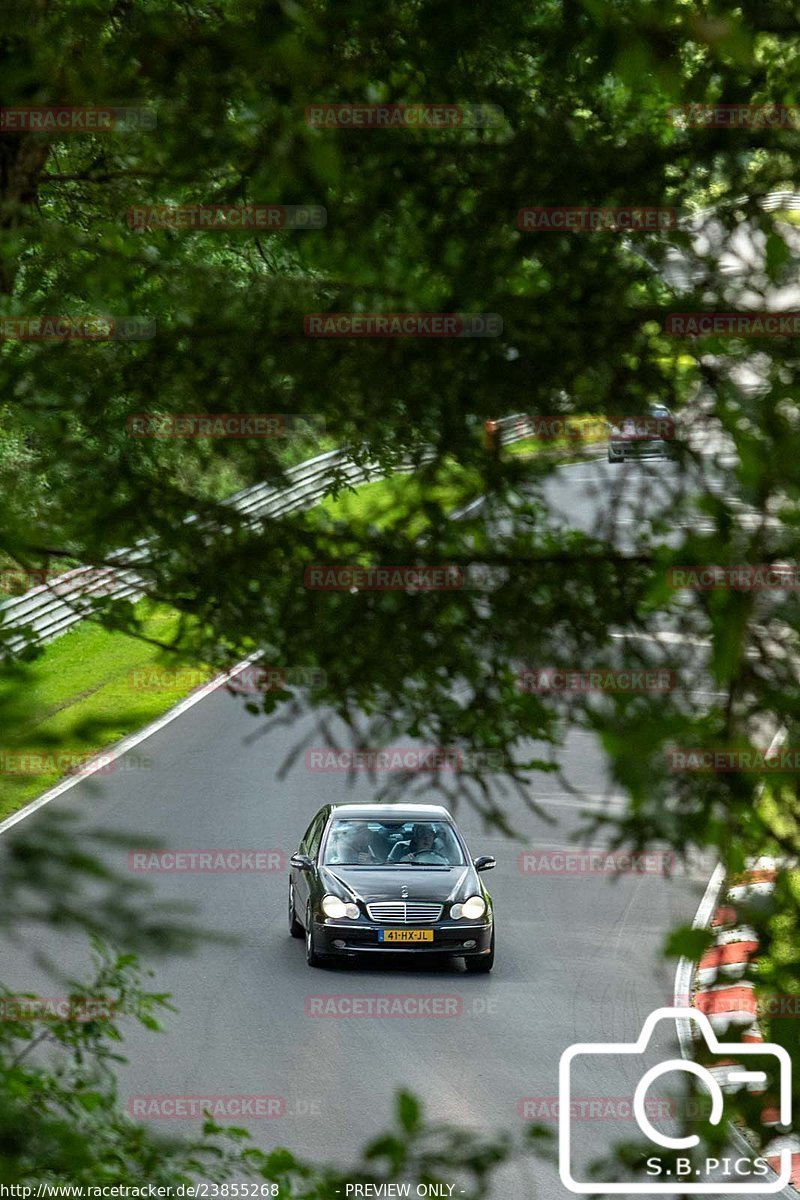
<point x="481" y="964"/>
<point x="312" y="958"/>
<point x="615" y="458"/>
<point x="295" y="928"/>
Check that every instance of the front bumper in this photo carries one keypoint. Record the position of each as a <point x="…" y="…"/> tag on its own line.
<point x="632" y="448"/>
<point x="362" y="937"/>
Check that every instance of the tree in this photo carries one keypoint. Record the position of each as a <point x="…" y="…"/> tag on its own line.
<point x="417" y="221"/>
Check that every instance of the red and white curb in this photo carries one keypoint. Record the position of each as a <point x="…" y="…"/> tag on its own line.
<point x="715" y="987"/>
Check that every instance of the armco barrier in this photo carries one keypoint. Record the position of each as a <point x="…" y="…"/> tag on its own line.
<point x="51" y="609"/>
<point x="46" y="611"/>
<point x="776" y="201"/>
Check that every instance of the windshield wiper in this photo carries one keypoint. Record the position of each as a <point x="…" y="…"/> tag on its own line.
<point x="412" y="863"/>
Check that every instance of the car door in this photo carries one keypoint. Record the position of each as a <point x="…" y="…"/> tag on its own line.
<point x="309" y="846"/>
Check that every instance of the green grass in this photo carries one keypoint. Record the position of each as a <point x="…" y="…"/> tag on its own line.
<point x="80" y="695"/>
<point x="792" y="216"/>
<point x="385" y="501"/>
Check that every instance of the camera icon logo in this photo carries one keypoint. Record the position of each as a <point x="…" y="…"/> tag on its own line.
<point x="754" y="1169"/>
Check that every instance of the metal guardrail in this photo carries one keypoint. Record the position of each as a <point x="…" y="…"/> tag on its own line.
<point x="52" y="608"/>
<point x="46" y="611"/>
<point x="778" y="200"/>
<point x="772" y="202"/>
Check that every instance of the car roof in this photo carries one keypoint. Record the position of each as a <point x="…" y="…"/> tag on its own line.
<point x="392" y="812"/>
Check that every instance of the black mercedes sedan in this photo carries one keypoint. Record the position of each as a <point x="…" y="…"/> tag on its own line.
<point x="388" y="878"/>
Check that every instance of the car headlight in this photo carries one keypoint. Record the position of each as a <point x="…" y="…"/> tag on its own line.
<point x="471" y="909"/>
<point x="332" y="906"/>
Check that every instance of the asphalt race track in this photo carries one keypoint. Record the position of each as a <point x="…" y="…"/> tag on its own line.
<point x="578" y="956"/>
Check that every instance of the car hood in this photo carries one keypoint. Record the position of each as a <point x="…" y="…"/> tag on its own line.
<point x="384" y="883"/>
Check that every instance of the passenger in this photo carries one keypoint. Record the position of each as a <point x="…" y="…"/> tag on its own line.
<point x="357" y="847"/>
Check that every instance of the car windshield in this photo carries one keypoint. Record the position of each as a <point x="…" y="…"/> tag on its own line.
<point x="363" y="843"/>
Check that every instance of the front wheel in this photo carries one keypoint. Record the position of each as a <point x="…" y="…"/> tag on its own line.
<point x="295" y="928"/>
<point x="312" y="958"/>
<point x="481" y="964"/>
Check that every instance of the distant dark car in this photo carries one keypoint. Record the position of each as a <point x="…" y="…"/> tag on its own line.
<point x="388" y="878"/>
<point x="648" y="436"/>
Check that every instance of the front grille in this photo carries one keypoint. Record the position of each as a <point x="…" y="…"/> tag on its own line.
<point x="405" y="911"/>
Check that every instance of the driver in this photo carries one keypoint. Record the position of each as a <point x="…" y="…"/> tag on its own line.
<point x="422" y="846"/>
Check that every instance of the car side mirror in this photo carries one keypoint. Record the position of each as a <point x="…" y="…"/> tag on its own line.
<point x="301" y="862"/>
<point x="486" y="862"/>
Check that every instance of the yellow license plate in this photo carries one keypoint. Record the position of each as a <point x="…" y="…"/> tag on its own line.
<point x="405" y="935"/>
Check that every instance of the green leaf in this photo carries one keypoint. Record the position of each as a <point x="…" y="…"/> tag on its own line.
<point x="408" y="1111"/>
<point x="777" y="256"/>
<point x="688" y="943"/>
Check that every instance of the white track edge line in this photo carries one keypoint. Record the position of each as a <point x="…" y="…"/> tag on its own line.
<point x="118" y="749"/>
